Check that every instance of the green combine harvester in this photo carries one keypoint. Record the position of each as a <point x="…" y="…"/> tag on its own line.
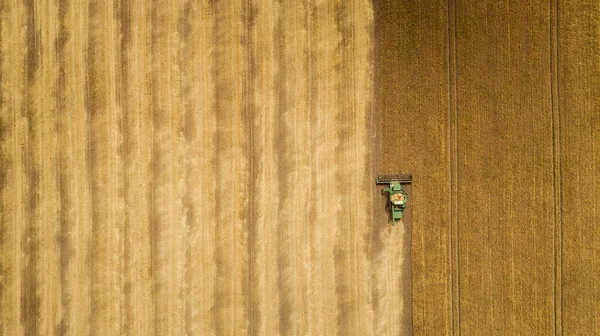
<point x="398" y="197"/>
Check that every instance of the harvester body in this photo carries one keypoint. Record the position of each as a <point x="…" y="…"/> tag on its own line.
<point x="397" y="196"/>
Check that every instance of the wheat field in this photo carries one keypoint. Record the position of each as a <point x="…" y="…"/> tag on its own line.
<point x="193" y="168"/>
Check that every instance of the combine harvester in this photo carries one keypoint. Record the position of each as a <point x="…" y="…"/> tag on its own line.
<point x="398" y="197"/>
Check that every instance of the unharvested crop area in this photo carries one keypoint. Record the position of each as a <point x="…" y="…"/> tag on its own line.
<point x="192" y="167"/>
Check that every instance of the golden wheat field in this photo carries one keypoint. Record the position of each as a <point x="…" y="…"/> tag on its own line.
<point x="193" y="168"/>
